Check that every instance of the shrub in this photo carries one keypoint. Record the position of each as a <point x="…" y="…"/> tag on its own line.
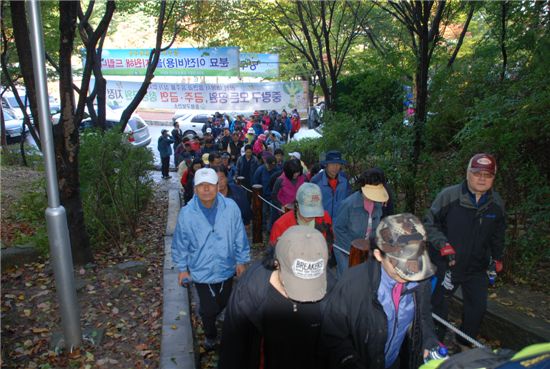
<point x="29" y="213"/>
<point x="115" y="185"/>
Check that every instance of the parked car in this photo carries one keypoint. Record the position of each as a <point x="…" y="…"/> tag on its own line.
<point x="193" y="123"/>
<point x="14" y="126"/>
<point x="136" y="130"/>
<point x="9" y="103"/>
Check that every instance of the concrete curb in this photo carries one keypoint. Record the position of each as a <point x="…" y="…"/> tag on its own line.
<point x="499" y="322"/>
<point x="176" y="347"/>
<point x="173" y="211"/>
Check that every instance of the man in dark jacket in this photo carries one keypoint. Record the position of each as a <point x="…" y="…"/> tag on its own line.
<point x="274" y="313"/>
<point x="177" y="135"/>
<point x="246" y="166"/>
<point x="466" y="225"/>
<point x="164" y="147"/>
<point x="380" y="304"/>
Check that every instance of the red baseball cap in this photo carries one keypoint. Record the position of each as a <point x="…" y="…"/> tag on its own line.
<point x="483" y="162"/>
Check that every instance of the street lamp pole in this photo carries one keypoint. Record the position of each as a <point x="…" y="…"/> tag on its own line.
<point x="56" y="218"/>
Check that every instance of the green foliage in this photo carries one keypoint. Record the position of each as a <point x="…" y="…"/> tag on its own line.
<point x="309" y="148"/>
<point x="29" y="210"/>
<point x="115" y="185"/>
<point x="11" y="155"/>
<point x="369" y="92"/>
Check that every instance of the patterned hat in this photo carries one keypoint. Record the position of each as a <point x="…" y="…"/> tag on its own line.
<point x="402" y="238"/>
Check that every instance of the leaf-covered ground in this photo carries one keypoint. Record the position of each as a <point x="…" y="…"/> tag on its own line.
<point x="126" y="305"/>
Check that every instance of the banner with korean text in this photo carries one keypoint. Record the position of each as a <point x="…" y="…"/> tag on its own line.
<point x="259" y="65"/>
<point x="210" y="96"/>
<point x="217" y="61"/>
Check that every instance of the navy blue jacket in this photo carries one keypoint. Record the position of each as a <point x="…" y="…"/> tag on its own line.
<point x="263" y="176"/>
<point x="332" y="199"/>
<point x="165" y="146"/>
<point x="237" y="194"/>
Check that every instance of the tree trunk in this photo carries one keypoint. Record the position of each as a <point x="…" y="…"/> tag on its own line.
<point x="421" y="92"/>
<point x="3" y="141"/>
<point x="504" y="15"/>
<point x="66" y="138"/>
<point x="21" y="36"/>
<point x="326" y="92"/>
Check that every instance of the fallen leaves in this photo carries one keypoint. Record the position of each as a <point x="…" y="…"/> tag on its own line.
<point x="127" y="306"/>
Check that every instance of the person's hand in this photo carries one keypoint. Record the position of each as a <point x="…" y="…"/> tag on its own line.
<point x="240" y="269"/>
<point x="448" y="252"/>
<point x="184" y="278"/>
<point x="498" y="266"/>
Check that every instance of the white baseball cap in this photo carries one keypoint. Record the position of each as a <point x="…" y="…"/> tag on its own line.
<point x="296" y="154"/>
<point x="206" y="175"/>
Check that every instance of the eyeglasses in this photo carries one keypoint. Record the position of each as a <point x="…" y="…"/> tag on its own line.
<point x="484" y="175"/>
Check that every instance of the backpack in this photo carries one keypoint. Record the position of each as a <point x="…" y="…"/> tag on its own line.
<point x="534" y="357"/>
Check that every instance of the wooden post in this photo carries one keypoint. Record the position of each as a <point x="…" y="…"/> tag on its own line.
<point x="257" y="214"/>
<point x="239" y="180"/>
<point x="359" y="251"/>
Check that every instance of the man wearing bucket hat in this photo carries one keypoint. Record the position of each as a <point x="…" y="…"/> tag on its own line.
<point x="466" y="225"/>
<point x="274" y="314"/>
<point x="333" y="182"/>
<point x="209" y="247"/>
<point x="377" y="304"/>
<point x="308" y="211"/>
<point x="358" y="216"/>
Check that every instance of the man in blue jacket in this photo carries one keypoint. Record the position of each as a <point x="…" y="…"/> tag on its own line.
<point x="333" y="182"/>
<point x="209" y="247"/>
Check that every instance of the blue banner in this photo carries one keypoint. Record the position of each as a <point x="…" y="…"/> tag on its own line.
<point x="218" y="61"/>
<point x="259" y="65"/>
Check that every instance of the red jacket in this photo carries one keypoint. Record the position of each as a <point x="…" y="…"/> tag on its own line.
<point x="288" y="220"/>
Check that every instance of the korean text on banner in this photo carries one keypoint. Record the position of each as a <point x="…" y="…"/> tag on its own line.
<point x="218" y="61"/>
<point x="209" y="96"/>
<point x="259" y="65"/>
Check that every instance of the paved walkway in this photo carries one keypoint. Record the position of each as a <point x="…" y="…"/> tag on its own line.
<point x="176" y="348"/>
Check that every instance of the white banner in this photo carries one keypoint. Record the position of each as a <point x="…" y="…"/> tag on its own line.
<point x="210" y="96"/>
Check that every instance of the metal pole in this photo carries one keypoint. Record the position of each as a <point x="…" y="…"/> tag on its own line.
<point x="257" y="213"/>
<point x="56" y="218"/>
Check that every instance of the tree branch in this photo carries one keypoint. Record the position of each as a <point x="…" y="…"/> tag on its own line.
<point x="462" y="34"/>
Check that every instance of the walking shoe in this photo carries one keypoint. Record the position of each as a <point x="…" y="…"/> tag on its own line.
<point x="166" y="177"/>
<point x="210" y="344"/>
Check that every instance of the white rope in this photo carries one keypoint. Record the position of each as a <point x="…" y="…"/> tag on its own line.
<point x="340" y="249"/>
<point x="271" y="204"/>
<point x="249" y="190"/>
<point x="457" y="331"/>
<point x="264" y="200"/>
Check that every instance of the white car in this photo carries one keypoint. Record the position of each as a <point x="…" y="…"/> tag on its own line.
<point x="9" y="103"/>
<point x="136" y="130"/>
<point x="14" y="127"/>
<point x="192" y="123"/>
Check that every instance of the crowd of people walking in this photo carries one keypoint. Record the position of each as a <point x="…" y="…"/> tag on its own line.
<point x="304" y="305"/>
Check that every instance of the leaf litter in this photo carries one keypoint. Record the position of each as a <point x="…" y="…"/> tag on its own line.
<point x="127" y="306"/>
